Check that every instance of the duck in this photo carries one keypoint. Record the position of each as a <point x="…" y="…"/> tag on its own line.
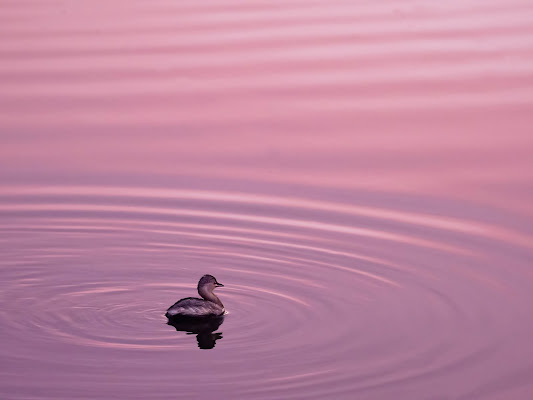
<point x="192" y="307"/>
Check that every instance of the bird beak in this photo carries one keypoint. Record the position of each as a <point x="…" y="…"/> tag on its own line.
<point x="219" y="284"/>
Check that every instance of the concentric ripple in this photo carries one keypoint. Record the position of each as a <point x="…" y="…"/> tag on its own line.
<point x="320" y="293"/>
<point x="357" y="173"/>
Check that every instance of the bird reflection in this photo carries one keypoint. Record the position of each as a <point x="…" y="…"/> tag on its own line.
<point x="204" y="328"/>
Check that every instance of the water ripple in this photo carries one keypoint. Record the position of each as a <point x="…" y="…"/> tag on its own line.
<point x="355" y="173"/>
<point x="286" y="279"/>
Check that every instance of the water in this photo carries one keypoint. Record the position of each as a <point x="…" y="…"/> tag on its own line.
<point x="357" y="174"/>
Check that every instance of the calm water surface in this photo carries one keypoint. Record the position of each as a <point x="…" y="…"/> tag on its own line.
<point x="358" y="174"/>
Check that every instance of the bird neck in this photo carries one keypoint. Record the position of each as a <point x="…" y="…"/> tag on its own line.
<point x="209" y="296"/>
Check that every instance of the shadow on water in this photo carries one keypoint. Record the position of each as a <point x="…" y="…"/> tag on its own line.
<point x="203" y="328"/>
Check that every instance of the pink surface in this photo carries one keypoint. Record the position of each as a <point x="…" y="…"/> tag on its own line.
<point x="358" y="174"/>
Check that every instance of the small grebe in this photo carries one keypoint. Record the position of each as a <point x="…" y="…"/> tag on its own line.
<point x="194" y="307"/>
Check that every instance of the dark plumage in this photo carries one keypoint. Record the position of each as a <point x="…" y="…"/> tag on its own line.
<point x="192" y="307"/>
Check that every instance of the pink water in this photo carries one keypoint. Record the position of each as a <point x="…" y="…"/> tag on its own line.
<point x="359" y="175"/>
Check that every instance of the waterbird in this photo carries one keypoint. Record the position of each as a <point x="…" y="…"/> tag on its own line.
<point x="192" y="307"/>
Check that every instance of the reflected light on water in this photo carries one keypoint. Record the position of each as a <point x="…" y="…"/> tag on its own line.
<point x="358" y="174"/>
